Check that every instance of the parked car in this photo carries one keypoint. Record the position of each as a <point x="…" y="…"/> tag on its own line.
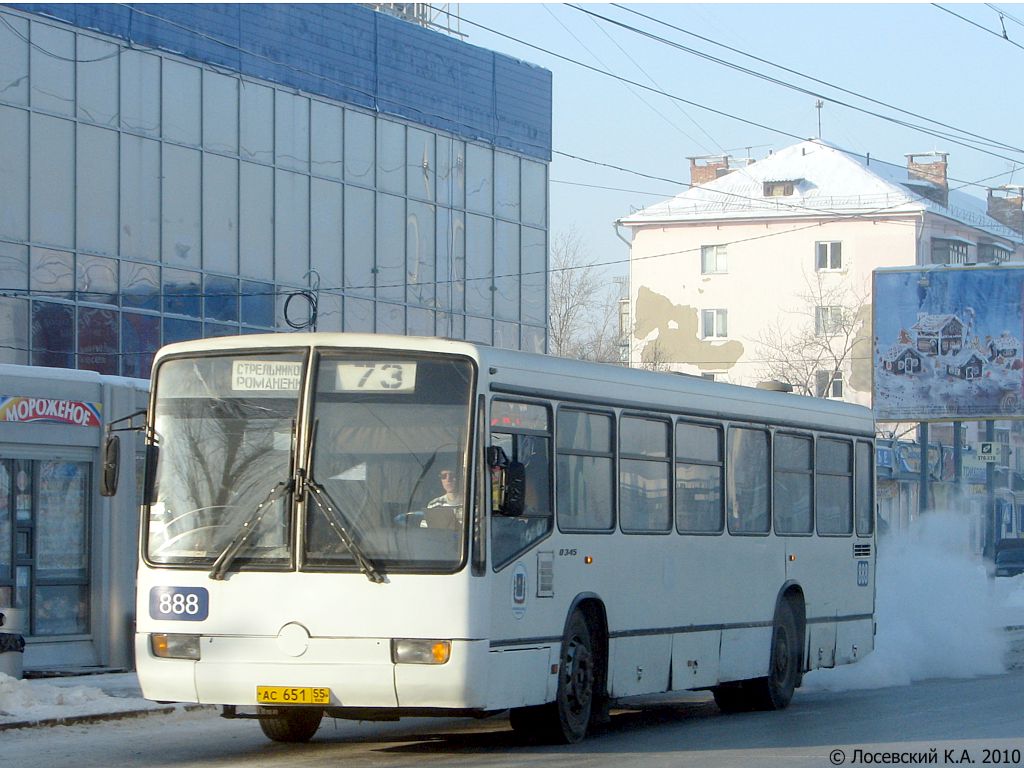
<point x="1010" y="557"/>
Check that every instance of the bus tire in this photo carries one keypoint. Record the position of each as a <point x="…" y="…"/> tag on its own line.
<point x="566" y="719"/>
<point x="732" y="698"/>
<point x="776" y="690"/>
<point x="291" y="725"/>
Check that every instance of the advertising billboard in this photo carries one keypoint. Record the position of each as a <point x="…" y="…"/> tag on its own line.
<point x="947" y="343"/>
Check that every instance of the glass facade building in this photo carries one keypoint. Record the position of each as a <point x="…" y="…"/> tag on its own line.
<point x="171" y="172"/>
<point x="149" y="198"/>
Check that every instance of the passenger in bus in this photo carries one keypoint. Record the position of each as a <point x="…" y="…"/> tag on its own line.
<point x="446" y="510"/>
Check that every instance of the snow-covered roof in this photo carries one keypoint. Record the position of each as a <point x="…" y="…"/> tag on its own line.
<point x="829" y="182"/>
<point x="963" y="357"/>
<point x="894" y="352"/>
<point x="934" y="323"/>
<point x="1006" y="341"/>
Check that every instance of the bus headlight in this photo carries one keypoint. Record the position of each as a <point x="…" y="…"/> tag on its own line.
<point x="420" y="651"/>
<point x="175" y="646"/>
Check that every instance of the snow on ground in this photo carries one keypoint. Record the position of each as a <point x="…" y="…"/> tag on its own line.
<point x="46" y="699"/>
<point x="939" y="613"/>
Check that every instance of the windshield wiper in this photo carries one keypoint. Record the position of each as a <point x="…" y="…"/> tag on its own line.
<point x="329" y="509"/>
<point x="247" y="529"/>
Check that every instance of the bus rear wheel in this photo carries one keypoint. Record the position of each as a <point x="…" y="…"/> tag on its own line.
<point x="291" y="725"/>
<point x="776" y="690"/>
<point x="565" y="720"/>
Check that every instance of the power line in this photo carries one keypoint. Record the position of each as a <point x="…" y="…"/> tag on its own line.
<point x="979" y="26"/>
<point x="610" y="189"/>
<point x="657" y="85"/>
<point x="989" y="141"/>
<point x="797" y="88"/>
<point x="698" y="105"/>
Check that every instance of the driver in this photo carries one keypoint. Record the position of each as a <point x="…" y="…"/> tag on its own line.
<point x="446" y="510"/>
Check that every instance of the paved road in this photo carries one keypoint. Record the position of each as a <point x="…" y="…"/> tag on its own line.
<point x="973" y="715"/>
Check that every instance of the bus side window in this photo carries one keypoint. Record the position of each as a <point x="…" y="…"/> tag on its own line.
<point x="522" y="430"/>
<point x="747" y="486"/>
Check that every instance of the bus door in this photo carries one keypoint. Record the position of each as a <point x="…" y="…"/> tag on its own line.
<point x="808" y="558"/>
<point x="522" y="433"/>
<point x="522" y="571"/>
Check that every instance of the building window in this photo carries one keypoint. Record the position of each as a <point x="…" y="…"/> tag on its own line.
<point x="714" y="324"/>
<point x="828" y="384"/>
<point x="992" y="253"/>
<point x="828" y="320"/>
<point x="949" y="251"/>
<point x="713" y="259"/>
<point x="44" y="525"/>
<point x="828" y="256"/>
<point x="778" y="188"/>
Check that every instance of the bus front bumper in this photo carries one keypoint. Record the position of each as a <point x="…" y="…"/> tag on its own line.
<point x="358" y="673"/>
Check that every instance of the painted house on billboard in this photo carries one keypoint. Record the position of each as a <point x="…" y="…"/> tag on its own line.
<point x="902" y="359"/>
<point x="966" y="365"/>
<point x="1004" y="350"/>
<point x="789" y="242"/>
<point x="939" y="335"/>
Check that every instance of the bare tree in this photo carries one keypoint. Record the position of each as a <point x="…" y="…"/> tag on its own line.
<point x="813" y="343"/>
<point x="583" y="308"/>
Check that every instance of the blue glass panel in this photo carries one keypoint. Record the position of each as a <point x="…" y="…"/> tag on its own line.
<point x="219" y="329"/>
<point x="221" y="298"/>
<point x="182" y="293"/>
<point x="181" y="330"/>
<point x="96" y="279"/>
<point x="140" y="285"/>
<point x="257" y="303"/>
<point x="140" y="338"/>
<point x="53" y="334"/>
<point x="98" y="345"/>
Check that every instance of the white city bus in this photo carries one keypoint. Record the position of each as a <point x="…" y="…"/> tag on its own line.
<point x="599" y="533"/>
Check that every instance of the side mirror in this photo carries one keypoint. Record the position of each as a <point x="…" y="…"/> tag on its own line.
<point x="111" y="465"/>
<point x="149" y="479"/>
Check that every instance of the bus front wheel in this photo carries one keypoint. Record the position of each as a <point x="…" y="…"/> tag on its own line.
<point x="291" y="725"/>
<point x="565" y="720"/>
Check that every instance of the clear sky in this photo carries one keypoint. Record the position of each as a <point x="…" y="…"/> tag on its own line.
<point x="915" y="57"/>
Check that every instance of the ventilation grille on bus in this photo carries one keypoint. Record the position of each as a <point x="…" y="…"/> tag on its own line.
<point x="862" y="550"/>
<point x="545" y="574"/>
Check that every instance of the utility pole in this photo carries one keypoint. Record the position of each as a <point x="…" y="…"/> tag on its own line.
<point x="818" y="105"/>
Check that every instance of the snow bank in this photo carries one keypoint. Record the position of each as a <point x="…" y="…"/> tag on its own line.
<point x="31" y="700"/>
<point x="23" y="695"/>
<point x="938" y="612"/>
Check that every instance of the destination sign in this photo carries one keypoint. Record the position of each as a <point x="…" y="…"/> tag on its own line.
<point x="376" y="377"/>
<point x="265" y="375"/>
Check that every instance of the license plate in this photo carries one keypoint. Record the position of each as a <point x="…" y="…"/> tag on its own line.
<point x="279" y="694"/>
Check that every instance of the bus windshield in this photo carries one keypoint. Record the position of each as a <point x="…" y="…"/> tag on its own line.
<point x="225" y="427"/>
<point x="385" y="480"/>
<point x="389" y="451"/>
